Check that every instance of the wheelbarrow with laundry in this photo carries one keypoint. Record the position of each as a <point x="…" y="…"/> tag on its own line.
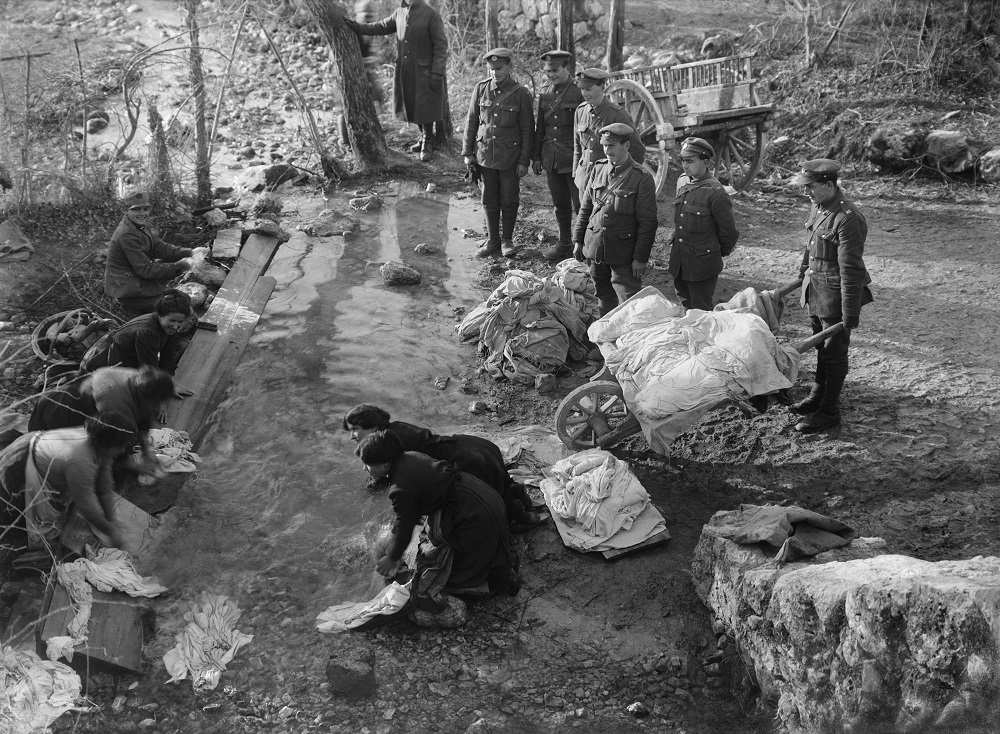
<point x="666" y="367"/>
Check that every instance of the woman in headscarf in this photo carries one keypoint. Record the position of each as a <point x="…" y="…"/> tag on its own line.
<point x="473" y="454"/>
<point x="465" y="546"/>
<point x="148" y="339"/>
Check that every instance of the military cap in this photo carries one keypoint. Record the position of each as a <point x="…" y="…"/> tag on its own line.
<point x="618" y="131"/>
<point x="557" y="58"/>
<point x="136" y="198"/>
<point x="818" y="170"/>
<point x="495" y="55"/>
<point x="699" y="146"/>
<point x="591" y="77"/>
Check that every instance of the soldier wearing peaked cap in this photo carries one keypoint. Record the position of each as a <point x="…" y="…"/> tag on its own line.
<point x="553" y="153"/>
<point x="596" y="112"/>
<point x="835" y="286"/>
<point x="704" y="228"/>
<point x="499" y="132"/>
<point x="614" y="230"/>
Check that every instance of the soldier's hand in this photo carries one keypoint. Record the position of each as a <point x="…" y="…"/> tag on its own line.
<point x="435" y="82"/>
<point x="522" y="170"/>
<point x="467" y="160"/>
<point x="638" y="269"/>
<point x="851" y="322"/>
<point x="537" y="168"/>
<point x="578" y="252"/>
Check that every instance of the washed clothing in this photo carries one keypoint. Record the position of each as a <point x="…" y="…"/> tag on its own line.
<point x="421" y="53"/>
<point x="587" y="123"/>
<point x="139" y="342"/>
<point x="704" y="231"/>
<point x="139" y="263"/>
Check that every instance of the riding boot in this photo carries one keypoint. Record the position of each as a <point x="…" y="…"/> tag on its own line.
<point x="491" y="247"/>
<point x="828" y="415"/>
<point x="811" y="404"/>
<point x="427" y="143"/>
<point x="508" y="216"/>
<point x="563" y="250"/>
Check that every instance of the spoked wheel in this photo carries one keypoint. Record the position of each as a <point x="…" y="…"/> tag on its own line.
<point x="649" y="123"/>
<point x="738" y="154"/>
<point x="590" y="412"/>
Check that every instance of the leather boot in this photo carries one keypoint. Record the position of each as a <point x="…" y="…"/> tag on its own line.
<point x="812" y="402"/>
<point x="559" y="252"/>
<point x="427" y="148"/>
<point x="828" y="415"/>
<point x="508" y="216"/>
<point x="563" y="250"/>
<point x="489" y="249"/>
<point x="491" y="246"/>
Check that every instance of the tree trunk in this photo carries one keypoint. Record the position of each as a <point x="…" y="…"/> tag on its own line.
<point x="202" y="166"/>
<point x="363" y="127"/>
<point x="616" y="35"/>
<point x="565" y="32"/>
<point x="492" y="25"/>
<point x="160" y="185"/>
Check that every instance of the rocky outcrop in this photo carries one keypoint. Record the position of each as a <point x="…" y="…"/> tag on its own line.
<point x="540" y="17"/>
<point x="857" y="640"/>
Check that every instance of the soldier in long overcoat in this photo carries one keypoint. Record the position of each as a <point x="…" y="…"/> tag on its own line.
<point x="419" y="90"/>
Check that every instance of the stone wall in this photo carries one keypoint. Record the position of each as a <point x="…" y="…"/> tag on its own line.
<point x="541" y="16"/>
<point x="856" y="640"/>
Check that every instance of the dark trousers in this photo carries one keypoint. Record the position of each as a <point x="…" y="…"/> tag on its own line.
<point x="696" y="293"/>
<point x="614" y="284"/>
<point x="831" y="355"/>
<point x="566" y="201"/>
<point x="501" y="193"/>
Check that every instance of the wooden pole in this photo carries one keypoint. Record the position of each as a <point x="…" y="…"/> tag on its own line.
<point x="83" y="88"/>
<point x="566" y="41"/>
<point x="492" y="25"/>
<point x="616" y="36"/>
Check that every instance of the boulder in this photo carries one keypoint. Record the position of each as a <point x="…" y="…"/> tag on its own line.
<point x="197" y="292"/>
<point x="856" y="640"/>
<point x="580" y="30"/>
<point x="351" y="670"/>
<point x="989" y="166"/>
<point x="211" y="276"/>
<point x="895" y="146"/>
<point x="949" y="151"/>
<point x="398" y="273"/>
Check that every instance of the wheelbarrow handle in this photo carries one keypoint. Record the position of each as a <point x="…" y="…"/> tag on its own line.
<point x="819" y="338"/>
<point x="783" y="290"/>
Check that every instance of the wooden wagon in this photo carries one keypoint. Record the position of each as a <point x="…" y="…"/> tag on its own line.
<point x="714" y="99"/>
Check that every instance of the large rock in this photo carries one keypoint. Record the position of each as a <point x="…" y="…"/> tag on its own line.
<point x="855" y="640"/>
<point x="259" y="178"/>
<point x="395" y="272"/>
<point x="949" y="151"/>
<point x="894" y="146"/>
<point x="989" y="166"/>
<point x="351" y="670"/>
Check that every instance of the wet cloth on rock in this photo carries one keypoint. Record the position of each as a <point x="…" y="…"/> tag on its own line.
<point x="794" y="531"/>
<point x="528" y="326"/>
<point x="173" y="450"/>
<point x="351" y="615"/>
<point x="34" y="692"/>
<point x="598" y="496"/>
<point x="676" y="365"/>
<point x="207" y="644"/>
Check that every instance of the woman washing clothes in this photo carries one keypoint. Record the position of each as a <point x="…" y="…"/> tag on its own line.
<point x="465" y="546"/>
<point x="473" y="454"/>
<point x="151" y="339"/>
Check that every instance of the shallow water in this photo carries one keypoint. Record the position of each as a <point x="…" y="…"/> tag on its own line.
<point x="279" y="491"/>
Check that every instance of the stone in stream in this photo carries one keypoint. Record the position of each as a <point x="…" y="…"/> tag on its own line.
<point x="351" y="670"/>
<point x="397" y="273"/>
<point x="329" y="222"/>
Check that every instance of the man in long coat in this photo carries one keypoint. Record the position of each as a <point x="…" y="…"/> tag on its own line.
<point x="419" y="90"/>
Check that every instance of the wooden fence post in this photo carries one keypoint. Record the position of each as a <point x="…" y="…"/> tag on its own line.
<point x="616" y="36"/>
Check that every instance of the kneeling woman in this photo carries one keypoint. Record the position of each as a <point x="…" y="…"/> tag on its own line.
<point x="465" y="548"/>
<point x="473" y="454"/>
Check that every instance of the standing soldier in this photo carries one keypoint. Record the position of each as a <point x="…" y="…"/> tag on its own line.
<point x="704" y="228"/>
<point x="419" y="91"/>
<point x="597" y="113"/>
<point x="835" y="286"/>
<point x="498" y="135"/>
<point x="617" y="221"/>
<point x="557" y="103"/>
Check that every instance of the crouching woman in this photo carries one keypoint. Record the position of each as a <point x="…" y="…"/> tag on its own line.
<point x="465" y="546"/>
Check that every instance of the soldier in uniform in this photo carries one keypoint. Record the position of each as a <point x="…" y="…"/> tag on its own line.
<point x="614" y="230"/>
<point x="835" y="286"/>
<point x="557" y="103"/>
<point x="704" y="228"/>
<point x="596" y="113"/>
<point x="499" y="131"/>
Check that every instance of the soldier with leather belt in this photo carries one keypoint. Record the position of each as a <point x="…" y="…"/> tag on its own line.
<point x="557" y="103"/>
<point x="499" y="132"/>
<point x="704" y="228"/>
<point x="835" y="287"/>
<point x="596" y="113"/>
<point x="614" y="230"/>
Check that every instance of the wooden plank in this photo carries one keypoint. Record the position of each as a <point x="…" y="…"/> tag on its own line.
<point x="114" y="634"/>
<point x="135" y="526"/>
<point x="711" y="99"/>
<point x="658" y="539"/>
<point x="227" y="244"/>
<point x="211" y="358"/>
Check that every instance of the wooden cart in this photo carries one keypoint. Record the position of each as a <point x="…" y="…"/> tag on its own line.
<point x="714" y="99"/>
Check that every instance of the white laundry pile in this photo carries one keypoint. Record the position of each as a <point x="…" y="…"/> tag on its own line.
<point x="597" y="496"/>
<point x="529" y="325"/>
<point x="34" y="692"/>
<point x="173" y="449"/>
<point x="350" y="615"/>
<point x="675" y="366"/>
<point x="207" y="644"/>
<point x="109" y="569"/>
<point x="765" y="304"/>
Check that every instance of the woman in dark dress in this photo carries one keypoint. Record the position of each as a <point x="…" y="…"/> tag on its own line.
<point x="465" y="548"/>
<point x="473" y="454"/>
<point x="152" y="338"/>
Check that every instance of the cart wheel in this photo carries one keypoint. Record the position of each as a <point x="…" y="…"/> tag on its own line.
<point x="738" y="154"/>
<point x="639" y="103"/>
<point x="589" y="412"/>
